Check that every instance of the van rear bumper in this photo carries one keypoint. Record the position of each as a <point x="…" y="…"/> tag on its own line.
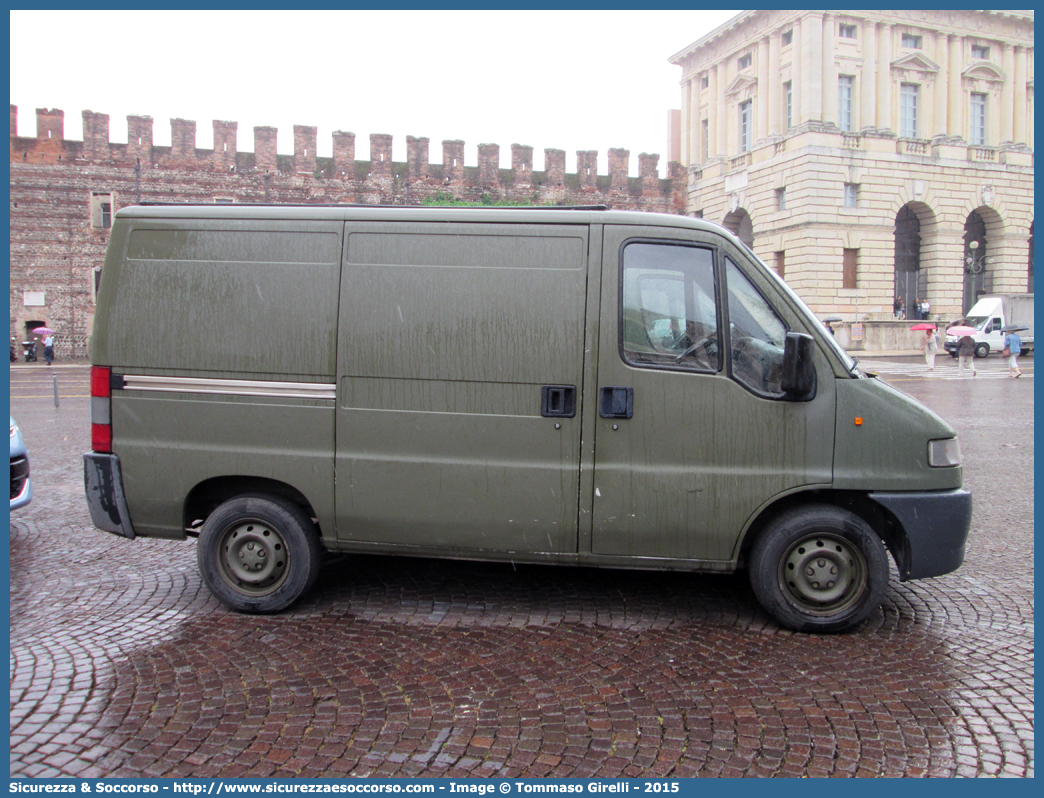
<point x="103" y="482"/>
<point x="936" y="525"/>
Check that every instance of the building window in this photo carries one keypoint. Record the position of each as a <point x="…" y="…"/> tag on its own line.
<point x="704" y="82"/>
<point x="101" y="210"/>
<point x="911" y="41"/>
<point x="746" y="131"/>
<point x="744" y="61"/>
<point x="981" y="52"/>
<point x="851" y="195"/>
<point x="781" y="264"/>
<point x="908" y="110"/>
<point x="788" y="37"/>
<point x="978" y="119"/>
<point x="845" y="87"/>
<point x="849" y="272"/>
<point x="846" y="31"/>
<point x="788" y="96"/>
<point x="706" y="139"/>
<point x="781" y="199"/>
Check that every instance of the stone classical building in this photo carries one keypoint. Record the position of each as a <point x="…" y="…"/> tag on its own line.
<point x="867" y="155"/>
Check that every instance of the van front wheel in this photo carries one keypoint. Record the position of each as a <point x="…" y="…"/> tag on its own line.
<point x="819" y="569"/>
<point x="258" y="554"/>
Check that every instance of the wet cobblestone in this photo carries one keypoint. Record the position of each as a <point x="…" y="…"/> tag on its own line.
<point x="122" y="664"/>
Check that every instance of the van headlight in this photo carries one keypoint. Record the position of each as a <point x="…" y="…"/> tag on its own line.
<point x="944" y="453"/>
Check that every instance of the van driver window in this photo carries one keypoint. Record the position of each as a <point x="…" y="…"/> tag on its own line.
<point x="756" y="334"/>
<point x="669" y="314"/>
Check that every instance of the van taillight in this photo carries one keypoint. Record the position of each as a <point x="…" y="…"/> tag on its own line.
<point x="101" y="409"/>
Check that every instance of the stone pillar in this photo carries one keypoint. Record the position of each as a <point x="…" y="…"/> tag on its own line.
<point x="885" y="121"/>
<point x="489" y="164"/>
<point x="225" y="135"/>
<point x="695" y="136"/>
<point x="139" y="139"/>
<point x="304" y="149"/>
<point x="344" y="155"/>
<point x="618" y="168"/>
<point x="829" y="69"/>
<point x="721" y="111"/>
<point x="942" y="87"/>
<point x="96" y="137"/>
<point x="50" y="124"/>
<point x="453" y="161"/>
<point x="381" y="155"/>
<point x="554" y="166"/>
<point x="1007" y="94"/>
<point x="183" y="138"/>
<point x="650" y="177"/>
<point x="587" y="168"/>
<point x="522" y="164"/>
<point x="774" y="87"/>
<point x="417" y="159"/>
<point x="926" y="112"/>
<point x="761" y="99"/>
<point x="265" y="148"/>
<point x="1021" y="100"/>
<point x="686" y="114"/>
<point x="954" y="106"/>
<point x="812" y="52"/>
<point x="797" y="84"/>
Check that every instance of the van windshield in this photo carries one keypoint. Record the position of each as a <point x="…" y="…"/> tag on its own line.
<point x="976" y="321"/>
<point x="810" y="317"/>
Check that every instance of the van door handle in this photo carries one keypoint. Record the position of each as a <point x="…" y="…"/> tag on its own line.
<point x="558" y="401"/>
<point x="616" y="402"/>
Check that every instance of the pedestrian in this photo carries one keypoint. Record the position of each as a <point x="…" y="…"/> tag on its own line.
<point x="931" y="347"/>
<point x="917" y="309"/>
<point x="926" y="308"/>
<point x="830" y="328"/>
<point x="49" y="348"/>
<point x="966" y="355"/>
<point x="898" y="307"/>
<point x="1012" y="350"/>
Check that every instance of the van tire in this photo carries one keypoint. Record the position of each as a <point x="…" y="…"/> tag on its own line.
<point x="804" y="546"/>
<point x="982" y="350"/>
<point x="259" y="554"/>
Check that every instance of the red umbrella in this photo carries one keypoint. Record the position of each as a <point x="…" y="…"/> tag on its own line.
<point x="961" y="330"/>
<point x="923" y="326"/>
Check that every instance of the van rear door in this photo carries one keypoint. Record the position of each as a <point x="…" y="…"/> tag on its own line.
<point x="459" y="361"/>
<point x="693" y="435"/>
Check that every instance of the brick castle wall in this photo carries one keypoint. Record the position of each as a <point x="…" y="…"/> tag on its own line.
<point x="56" y="245"/>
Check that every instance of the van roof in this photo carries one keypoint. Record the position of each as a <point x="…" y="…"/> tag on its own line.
<point x="582" y="214"/>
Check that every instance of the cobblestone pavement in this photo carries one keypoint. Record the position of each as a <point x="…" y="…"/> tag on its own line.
<point x="122" y="664"/>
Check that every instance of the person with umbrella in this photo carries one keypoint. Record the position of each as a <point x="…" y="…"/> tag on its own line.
<point x="965" y="354"/>
<point x="1012" y="348"/>
<point x="930" y="345"/>
<point x="48" y="342"/>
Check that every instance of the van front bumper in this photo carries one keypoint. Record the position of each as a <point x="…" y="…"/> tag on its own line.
<point x="103" y="482"/>
<point x="936" y="524"/>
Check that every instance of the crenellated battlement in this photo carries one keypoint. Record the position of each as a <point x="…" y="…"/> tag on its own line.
<point x="379" y="179"/>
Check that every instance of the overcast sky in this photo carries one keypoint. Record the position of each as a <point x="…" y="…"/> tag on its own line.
<point x="569" y="80"/>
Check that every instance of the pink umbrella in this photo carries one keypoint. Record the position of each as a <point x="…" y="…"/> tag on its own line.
<point x="960" y="330"/>
<point x="923" y="326"/>
<point x="43" y="331"/>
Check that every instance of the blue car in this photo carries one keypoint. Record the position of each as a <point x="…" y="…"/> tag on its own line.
<point x="21" y="486"/>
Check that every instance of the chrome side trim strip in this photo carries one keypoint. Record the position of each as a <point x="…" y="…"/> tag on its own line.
<point x="298" y="390"/>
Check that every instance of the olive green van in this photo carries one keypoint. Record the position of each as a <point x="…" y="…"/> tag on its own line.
<point x="574" y="386"/>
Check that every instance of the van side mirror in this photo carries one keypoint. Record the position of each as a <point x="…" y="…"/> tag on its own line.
<point x="799" y="372"/>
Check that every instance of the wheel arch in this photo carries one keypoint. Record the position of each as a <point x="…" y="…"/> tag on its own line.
<point x="881" y="520"/>
<point x="205" y="497"/>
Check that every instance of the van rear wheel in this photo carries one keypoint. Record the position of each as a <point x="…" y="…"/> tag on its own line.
<point x="258" y="554"/>
<point x="819" y="569"/>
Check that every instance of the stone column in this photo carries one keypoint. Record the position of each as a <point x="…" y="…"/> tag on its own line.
<point x="926" y="113"/>
<point x="774" y="86"/>
<point x="812" y="55"/>
<point x="830" y="75"/>
<point x="717" y="113"/>
<point x="885" y="119"/>
<point x="695" y="122"/>
<point x="941" y="125"/>
<point x="1007" y="94"/>
<point x="686" y="127"/>
<point x="797" y="85"/>
<point x="1019" y="133"/>
<point x="866" y="85"/>
<point x="761" y="99"/>
<point x="954" y="106"/>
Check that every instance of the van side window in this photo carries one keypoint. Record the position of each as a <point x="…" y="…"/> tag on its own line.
<point x="669" y="316"/>
<point x="756" y="335"/>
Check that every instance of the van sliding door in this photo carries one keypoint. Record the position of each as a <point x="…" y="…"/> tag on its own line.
<point x="459" y="359"/>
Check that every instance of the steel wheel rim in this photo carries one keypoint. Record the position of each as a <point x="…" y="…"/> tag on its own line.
<point x="823" y="574"/>
<point x="253" y="557"/>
